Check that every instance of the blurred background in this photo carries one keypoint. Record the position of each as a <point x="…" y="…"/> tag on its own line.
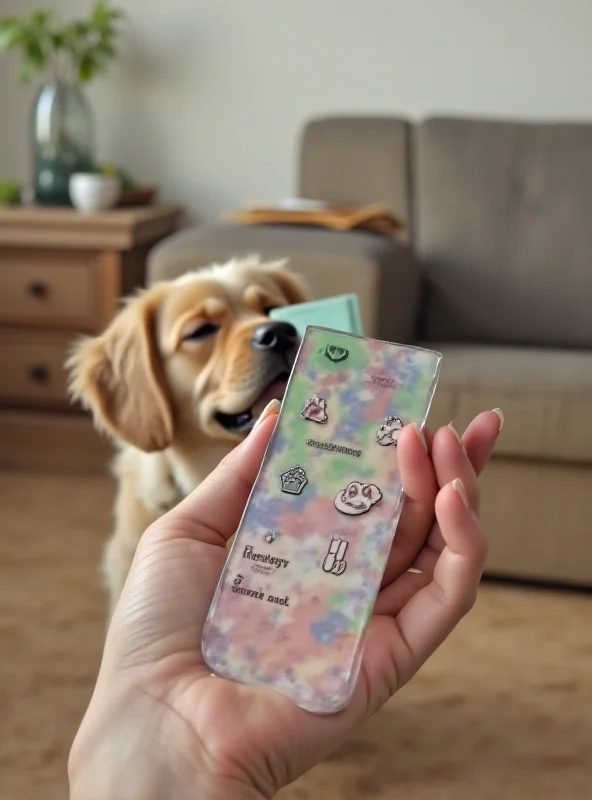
<point x="466" y="128"/>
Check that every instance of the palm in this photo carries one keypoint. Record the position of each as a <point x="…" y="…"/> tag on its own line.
<point x="257" y="736"/>
<point x="245" y="727"/>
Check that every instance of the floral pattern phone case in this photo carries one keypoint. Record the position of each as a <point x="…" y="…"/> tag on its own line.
<point x="298" y="588"/>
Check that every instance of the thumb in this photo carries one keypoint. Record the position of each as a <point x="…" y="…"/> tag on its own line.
<point x="212" y="512"/>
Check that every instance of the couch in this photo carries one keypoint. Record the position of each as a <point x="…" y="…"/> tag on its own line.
<point x="494" y="270"/>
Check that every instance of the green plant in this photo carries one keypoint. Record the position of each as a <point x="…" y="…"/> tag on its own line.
<point x="81" y="49"/>
<point x="10" y="193"/>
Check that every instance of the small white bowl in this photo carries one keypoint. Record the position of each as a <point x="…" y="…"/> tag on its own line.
<point x="90" y="192"/>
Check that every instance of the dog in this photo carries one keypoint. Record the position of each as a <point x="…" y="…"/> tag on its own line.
<point x="177" y="379"/>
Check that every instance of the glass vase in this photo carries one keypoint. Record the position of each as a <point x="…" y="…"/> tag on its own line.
<point x="63" y="140"/>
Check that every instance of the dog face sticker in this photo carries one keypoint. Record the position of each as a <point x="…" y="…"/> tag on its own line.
<point x="315" y="409"/>
<point x="389" y="431"/>
<point x="357" y="498"/>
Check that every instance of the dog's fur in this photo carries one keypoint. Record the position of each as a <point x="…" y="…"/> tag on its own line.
<point x="156" y="392"/>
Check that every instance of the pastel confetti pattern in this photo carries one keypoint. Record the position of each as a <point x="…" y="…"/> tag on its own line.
<point x="301" y="580"/>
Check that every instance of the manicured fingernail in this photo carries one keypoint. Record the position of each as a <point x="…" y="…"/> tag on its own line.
<point x="272" y="407"/>
<point x="459" y="487"/>
<point x="500" y="414"/>
<point x="458" y="436"/>
<point x="420" y="435"/>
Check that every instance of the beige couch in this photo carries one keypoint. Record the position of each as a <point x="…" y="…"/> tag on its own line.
<point x="497" y="275"/>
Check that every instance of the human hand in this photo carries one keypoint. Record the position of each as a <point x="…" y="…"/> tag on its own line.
<point x="160" y="725"/>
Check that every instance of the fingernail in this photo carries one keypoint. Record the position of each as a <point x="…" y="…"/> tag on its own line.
<point x="458" y="436"/>
<point x="500" y="414"/>
<point x="459" y="487"/>
<point x="420" y="435"/>
<point x="230" y="542"/>
<point x="272" y="407"/>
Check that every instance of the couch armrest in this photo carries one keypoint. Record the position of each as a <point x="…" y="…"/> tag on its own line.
<point x="379" y="269"/>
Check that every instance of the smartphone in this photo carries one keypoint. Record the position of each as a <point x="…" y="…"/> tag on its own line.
<point x="297" y="592"/>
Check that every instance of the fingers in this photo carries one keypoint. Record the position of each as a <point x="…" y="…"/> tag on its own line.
<point x="463" y="458"/>
<point x="419" y="483"/>
<point x="430" y="615"/>
<point x="481" y="436"/>
<point x="451" y="461"/>
<point x="212" y="512"/>
<point x="397" y="594"/>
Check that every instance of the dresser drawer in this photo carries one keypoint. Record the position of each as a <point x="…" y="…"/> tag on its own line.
<point x="48" y="289"/>
<point x="32" y="370"/>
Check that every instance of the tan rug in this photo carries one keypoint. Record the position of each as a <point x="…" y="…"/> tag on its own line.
<point x="504" y="710"/>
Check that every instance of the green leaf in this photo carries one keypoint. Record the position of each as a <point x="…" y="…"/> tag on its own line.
<point x="11" y="33"/>
<point x="89" y="42"/>
<point x="87" y="68"/>
<point x="41" y="18"/>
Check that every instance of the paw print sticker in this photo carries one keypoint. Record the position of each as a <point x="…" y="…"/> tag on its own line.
<point x="357" y="498"/>
<point x="389" y="431"/>
<point x="315" y="409"/>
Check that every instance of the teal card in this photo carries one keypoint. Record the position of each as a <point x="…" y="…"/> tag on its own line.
<point x="340" y="313"/>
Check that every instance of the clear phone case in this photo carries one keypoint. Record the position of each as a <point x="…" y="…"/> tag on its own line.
<point x="297" y="591"/>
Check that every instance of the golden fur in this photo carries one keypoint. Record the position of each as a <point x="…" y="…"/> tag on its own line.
<point x="156" y="392"/>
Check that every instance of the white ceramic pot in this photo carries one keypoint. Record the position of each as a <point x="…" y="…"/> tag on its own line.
<point x="89" y="192"/>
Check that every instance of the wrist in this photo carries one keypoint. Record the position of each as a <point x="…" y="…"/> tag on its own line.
<point x="109" y="759"/>
<point x="146" y="780"/>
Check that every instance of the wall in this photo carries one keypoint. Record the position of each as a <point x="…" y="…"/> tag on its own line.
<point x="209" y="94"/>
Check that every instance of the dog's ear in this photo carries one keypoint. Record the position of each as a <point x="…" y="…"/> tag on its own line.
<point x="118" y="376"/>
<point x="292" y="286"/>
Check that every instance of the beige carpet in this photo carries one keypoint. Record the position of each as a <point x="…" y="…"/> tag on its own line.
<point x="504" y="710"/>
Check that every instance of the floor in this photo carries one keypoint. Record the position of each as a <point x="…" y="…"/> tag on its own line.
<point x="503" y="711"/>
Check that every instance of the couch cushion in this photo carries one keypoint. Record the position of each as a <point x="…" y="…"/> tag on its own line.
<point x="546" y="396"/>
<point x="381" y="271"/>
<point x="503" y="227"/>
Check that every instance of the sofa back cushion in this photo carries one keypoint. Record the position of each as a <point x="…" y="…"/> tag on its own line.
<point x="503" y="228"/>
<point x="357" y="161"/>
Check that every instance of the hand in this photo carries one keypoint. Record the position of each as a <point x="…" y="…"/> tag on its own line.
<point x="159" y="725"/>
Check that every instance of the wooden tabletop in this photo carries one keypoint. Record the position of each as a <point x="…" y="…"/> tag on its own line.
<point x="117" y="229"/>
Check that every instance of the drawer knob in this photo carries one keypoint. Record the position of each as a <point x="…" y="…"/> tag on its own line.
<point x="38" y="289"/>
<point x="38" y="373"/>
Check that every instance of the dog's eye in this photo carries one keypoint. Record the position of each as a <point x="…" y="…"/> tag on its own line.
<point x="202" y="332"/>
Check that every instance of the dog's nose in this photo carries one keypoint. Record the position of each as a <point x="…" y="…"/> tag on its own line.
<point x="275" y="337"/>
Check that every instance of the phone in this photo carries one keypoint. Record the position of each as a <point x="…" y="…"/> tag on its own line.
<point x="341" y="312"/>
<point x="298" y="588"/>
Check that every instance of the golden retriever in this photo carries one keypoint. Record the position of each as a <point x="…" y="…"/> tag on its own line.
<point x="178" y="379"/>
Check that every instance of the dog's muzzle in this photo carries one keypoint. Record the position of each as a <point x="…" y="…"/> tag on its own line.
<point x="278" y="344"/>
<point x="275" y="337"/>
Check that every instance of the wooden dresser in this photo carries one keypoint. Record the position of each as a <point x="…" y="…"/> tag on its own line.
<point x="62" y="273"/>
